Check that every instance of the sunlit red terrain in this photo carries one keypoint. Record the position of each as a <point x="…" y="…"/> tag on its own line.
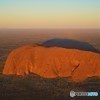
<point x="53" y="62"/>
<point x="33" y="65"/>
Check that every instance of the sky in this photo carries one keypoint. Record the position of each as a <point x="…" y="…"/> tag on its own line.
<point x="49" y="13"/>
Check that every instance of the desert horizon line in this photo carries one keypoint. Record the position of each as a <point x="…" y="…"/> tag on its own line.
<point x="58" y="28"/>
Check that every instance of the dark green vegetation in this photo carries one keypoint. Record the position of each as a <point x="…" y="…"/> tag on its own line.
<point x="34" y="87"/>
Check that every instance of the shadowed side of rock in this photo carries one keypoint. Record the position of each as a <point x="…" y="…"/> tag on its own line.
<point x="70" y="44"/>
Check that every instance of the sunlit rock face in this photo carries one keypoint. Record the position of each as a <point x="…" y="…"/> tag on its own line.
<point x="53" y="62"/>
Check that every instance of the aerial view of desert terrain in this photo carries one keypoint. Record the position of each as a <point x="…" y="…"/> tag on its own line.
<point x="49" y="50"/>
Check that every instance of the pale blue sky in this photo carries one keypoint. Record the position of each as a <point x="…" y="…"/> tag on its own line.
<point x="51" y="4"/>
<point x="55" y="9"/>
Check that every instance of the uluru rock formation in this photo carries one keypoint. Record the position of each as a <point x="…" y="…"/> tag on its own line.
<point x="53" y="62"/>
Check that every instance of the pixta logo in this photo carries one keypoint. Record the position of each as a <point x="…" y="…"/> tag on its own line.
<point x="73" y="94"/>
